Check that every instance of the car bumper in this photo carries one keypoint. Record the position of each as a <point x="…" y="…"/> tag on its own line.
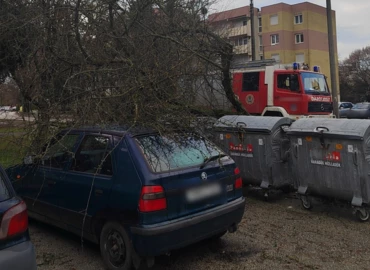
<point x="153" y="240"/>
<point x="18" y="257"/>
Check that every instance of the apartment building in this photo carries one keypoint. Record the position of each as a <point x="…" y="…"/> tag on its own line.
<point x="297" y="33"/>
<point x="286" y="33"/>
<point x="235" y="25"/>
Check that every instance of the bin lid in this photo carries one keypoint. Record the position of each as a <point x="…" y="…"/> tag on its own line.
<point x="262" y="124"/>
<point x="343" y="128"/>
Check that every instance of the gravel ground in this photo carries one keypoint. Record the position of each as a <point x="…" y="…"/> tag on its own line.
<point x="277" y="234"/>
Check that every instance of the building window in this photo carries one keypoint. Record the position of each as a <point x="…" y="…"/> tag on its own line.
<point x="298" y="38"/>
<point x="241" y="41"/>
<point x="274" y="39"/>
<point x="245" y="22"/>
<point x="259" y="24"/>
<point x="261" y="44"/>
<point x="274" y="19"/>
<point x="299" y="57"/>
<point x="298" y="19"/>
<point x="276" y="57"/>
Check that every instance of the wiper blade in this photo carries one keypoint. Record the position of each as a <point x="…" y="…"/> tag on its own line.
<point x="211" y="158"/>
<point x="314" y="92"/>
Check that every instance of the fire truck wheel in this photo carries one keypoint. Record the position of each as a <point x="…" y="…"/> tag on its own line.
<point x="306" y="203"/>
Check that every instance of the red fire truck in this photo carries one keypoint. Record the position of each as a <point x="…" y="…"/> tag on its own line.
<point x="269" y="89"/>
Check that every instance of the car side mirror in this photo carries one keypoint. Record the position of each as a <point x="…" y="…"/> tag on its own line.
<point x="29" y="160"/>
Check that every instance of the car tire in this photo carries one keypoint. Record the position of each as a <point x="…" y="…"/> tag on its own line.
<point x="115" y="247"/>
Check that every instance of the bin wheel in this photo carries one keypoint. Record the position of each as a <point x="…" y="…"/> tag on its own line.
<point x="306" y="203"/>
<point x="363" y="215"/>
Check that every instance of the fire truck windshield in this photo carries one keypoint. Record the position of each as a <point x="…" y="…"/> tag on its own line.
<point x="314" y="83"/>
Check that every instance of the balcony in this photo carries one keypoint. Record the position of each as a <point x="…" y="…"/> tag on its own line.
<point x="241" y="49"/>
<point x="239" y="31"/>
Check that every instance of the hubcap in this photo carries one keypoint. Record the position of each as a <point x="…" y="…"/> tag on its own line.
<point x="116" y="248"/>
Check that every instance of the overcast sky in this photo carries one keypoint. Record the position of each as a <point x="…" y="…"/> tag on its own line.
<point x="353" y="20"/>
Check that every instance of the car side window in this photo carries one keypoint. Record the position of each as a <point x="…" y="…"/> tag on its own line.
<point x="93" y="156"/>
<point x="59" y="151"/>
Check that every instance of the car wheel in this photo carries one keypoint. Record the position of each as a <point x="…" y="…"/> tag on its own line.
<point x="115" y="247"/>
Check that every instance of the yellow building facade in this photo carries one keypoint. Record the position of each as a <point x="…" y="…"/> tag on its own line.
<point x="298" y="33"/>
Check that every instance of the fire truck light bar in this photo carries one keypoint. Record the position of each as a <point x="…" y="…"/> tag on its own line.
<point x="295" y="66"/>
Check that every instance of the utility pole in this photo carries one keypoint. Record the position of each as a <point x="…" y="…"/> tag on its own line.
<point x="333" y="74"/>
<point x="251" y="11"/>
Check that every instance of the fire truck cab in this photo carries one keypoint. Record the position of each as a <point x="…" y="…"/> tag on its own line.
<point x="282" y="90"/>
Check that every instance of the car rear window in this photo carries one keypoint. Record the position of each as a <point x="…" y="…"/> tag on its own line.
<point x="176" y="152"/>
<point x="4" y="191"/>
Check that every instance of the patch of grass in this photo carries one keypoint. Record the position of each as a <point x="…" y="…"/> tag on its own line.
<point x="12" y="149"/>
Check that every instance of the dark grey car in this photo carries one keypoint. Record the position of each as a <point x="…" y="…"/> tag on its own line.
<point x="359" y="111"/>
<point x="16" y="250"/>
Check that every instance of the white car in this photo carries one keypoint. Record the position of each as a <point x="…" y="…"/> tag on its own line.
<point x="8" y="108"/>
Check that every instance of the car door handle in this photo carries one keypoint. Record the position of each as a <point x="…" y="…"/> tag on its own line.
<point x="98" y="192"/>
<point x="51" y="183"/>
<point x="277" y="97"/>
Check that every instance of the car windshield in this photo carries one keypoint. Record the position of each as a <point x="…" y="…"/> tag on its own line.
<point x="4" y="191"/>
<point x="181" y="151"/>
<point x="314" y="82"/>
<point x="361" y="106"/>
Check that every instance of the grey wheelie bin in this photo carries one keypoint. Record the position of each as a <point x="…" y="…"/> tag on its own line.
<point x="331" y="159"/>
<point x="260" y="148"/>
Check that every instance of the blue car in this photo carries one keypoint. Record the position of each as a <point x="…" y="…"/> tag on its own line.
<point x="136" y="193"/>
<point x="16" y="250"/>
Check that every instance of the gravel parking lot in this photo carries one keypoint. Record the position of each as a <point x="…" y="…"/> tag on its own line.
<point x="277" y="234"/>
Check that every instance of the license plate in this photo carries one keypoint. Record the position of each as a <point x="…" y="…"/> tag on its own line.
<point x="203" y="192"/>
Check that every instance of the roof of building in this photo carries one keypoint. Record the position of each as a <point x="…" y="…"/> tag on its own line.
<point x="230" y="14"/>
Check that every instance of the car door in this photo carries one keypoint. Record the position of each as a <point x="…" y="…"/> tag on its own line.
<point x="87" y="184"/>
<point x="43" y="186"/>
<point x="287" y="93"/>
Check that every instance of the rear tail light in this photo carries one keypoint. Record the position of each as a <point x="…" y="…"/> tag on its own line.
<point x="238" y="180"/>
<point x="14" y="221"/>
<point x="152" y="198"/>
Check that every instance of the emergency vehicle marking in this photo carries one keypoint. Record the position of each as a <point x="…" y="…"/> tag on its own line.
<point x="324" y="99"/>
<point x="249" y="99"/>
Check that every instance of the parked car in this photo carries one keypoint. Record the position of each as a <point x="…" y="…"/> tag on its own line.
<point x="16" y="250"/>
<point x="8" y="108"/>
<point x="359" y="111"/>
<point x="136" y="193"/>
<point x="343" y="113"/>
<point x="345" y="105"/>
